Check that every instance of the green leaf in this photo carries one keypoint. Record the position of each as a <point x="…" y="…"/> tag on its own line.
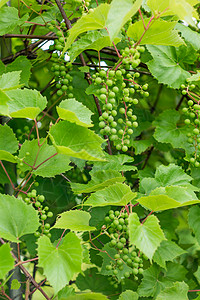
<point x="197" y="274"/>
<point x="156" y="279"/>
<point x="75" y="220"/>
<point x="95" y="40"/>
<point x="4" y="110"/>
<point x="93" y="281"/>
<point x="10" y="80"/>
<point x="99" y="180"/>
<point x="168" y="131"/>
<point x="16" y="218"/>
<point x="142" y="145"/>
<point x="165" y="66"/>
<point x="60" y="264"/>
<point x="92" y="21"/>
<point x="25" y="103"/>
<point x="182" y="9"/>
<point x="120" y="12"/>
<point x="115" y="163"/>
<point x="178" y="291"/>
<point x="8" y="143"/>
<point x="116" y="194"/>
<point x="193" y="220"/>
<point x="88" y="296"/>
<point x="167" y="251"/>
<point x="9" y="19"/>
<point x="145" y="236"/>
<point x="160" y="33"/>
<point x="37" y="156"/>
<point x="15" y="284"/>
<point x="189" y="35"/>
<point x="169" y="197"/>
<point x="76" y="141"/>
<point x="128" y="295"/>
<point x="75" y="112"/>
<point x="22" y="64"/>
<point x="2" y="2"/>
<point x="65" y="293"/>
<point x="7" y="261"/>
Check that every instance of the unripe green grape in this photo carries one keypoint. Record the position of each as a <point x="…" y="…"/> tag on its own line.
<point x="130" y="131"/>
<point x="37" y="234"/>
<point x="120" y="131"/>
<point x="196" y="131"/>
<point x="98" y="80"/>
<point x="112" y="243"/>
<point x="109" y="106"/>
<point x="37" y="204"/>
<point x="119" y="246"/>
<point x="131" y="90"/>
<point x="43" y="217"/>
<point x="109" y="82"/>
<point x="116" y="222"/>
<point x="187" y="121"/>
<point x="129" y="124"/>
<point x="123" y="240"/>
<point x="103" y="91"/>
<point x="105" y="115"/>
<point x="103" y="97"/>
<point x="59" y="92"/>
<point x="49" y="214"/>
<point x="119" y="227"/>
<point x="118" y="147"/>
<point x="41" y="198"/>
<point x="129" y="113"/>
<point x="135" y="124"/>
<point x="196" y="164"/>
<point x="122" y="110"/>
<point x="192" y="86"/>
<point x="108" y="267"/>
<point x="102" y="73"/>
<point x="120" y="262"/>
<point x="192" y="115"/>
<point x="107" y="129"/>
<point x="47" y="226"/>
<point x="120" y="121"/>
<point x="134" y="254"/>
<point x="117" y="256"/>
<point x="190" y="103"/>
<point x="146" y="94"/>
<point x="140" y="271"/>
<point x="184" y="110"/>
<point x="102" y="124"/>
<point x="124" y="148"/>
<point x="114" y="113"/>
<point x="123" y="84"/>
<point x="115" y="89"/>
<point x="121" y="221"/>
<point x="126" y="274"/>
<point x="111" y="216"/>
<point x="190" y="140"/>
<point x="135" y="101"/>
<point x="112" y="101"/>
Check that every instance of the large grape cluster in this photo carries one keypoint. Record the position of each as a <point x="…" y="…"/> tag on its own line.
<point x="38" y="202"/>
<point x="127" y="255"/>
<point x="116" y="89"/>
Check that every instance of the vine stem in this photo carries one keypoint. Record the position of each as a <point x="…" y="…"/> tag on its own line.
<point x="7" y="175"/>
<point x="29" y="36"/>
<point x="142" y="19"/>
<point x="193" y="291"/>
<point x="27" y="274"/>
<point x="60" y="238"/>
<point x="147" y="217"/>
<point x="4" y="293"/>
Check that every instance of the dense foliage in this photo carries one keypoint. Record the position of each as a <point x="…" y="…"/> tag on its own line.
<point x="99" y="149"/>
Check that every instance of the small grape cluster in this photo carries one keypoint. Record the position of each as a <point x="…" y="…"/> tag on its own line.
<point x="193" y="120"/>
<point x="23" y="134"/>
<point x="21" y="160"/>
<point x="131" y="55"/>
<point x="84" y="6"/>
<point x="38" y="202"/>
<point x="115" y="89"/>
<point x="59" y="67"/>
<point x="126" y="255"/>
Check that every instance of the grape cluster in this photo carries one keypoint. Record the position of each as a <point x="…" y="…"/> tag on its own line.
<point x="38" y="202"/>
<point x="59" y="67"/>
<point x="22" y="134"/>
<point x="84" y="6"/>
<point x="192" y="119"/>
<point x="116" y="89"/>
<point x="126" y="255"/>
<point x="131" y="55"/>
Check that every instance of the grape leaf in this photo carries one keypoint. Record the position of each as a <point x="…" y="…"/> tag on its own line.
<point x="76" y="141"/>
<point x="193" y="220"/>
<point x="142" y="145"/>
<point x="25" y="103"/>
<point x="88" y="296"/>
<point x="197" y="274"/>
<point x="116" y="194"/>
<point x="4" y="110"/>
<point x="120" y="12"/>
<point x="189" y="35"/>
<point x="10" y="80"/>
<point x="145" y="236"/>
<point x="22" y="64"/>
<point x="169" y="197"/>
<point x="156" y="279"/>
<point x="178" y="291"/>
<point x="92" y="21"/>
<point x="65" y="293"/>
<point x="95" y="40"/>
<point x="2" y="2"/>
<point x="128" y="295"/>
<point x="165" y="66"/>
<point x="115" y="163"/>
<point x="75" y="112"/>
<point x="182" y="9"/>
<point x="8" y="143"/>
<point x="60" y="264"/>
<point x="16" y="218"/>
<point x="99" y="180"/>
<point x="167" y="130"/>
<point x="6" y="259"/>
<point x="160" y="33"/>
<point x="167" y="251"/>
<point x="15" y="284"/>
<point x="95" y="282"/>
<point x="75" y="220"/>
<point x="9" y="19"/>
<point x="37" y="155"/>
